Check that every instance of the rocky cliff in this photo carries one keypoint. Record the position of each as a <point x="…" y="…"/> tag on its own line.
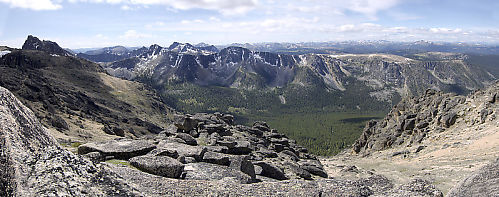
<point x="439" y="137"/>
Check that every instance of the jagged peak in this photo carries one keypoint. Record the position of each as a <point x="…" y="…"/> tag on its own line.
<point x="33" y="43"/>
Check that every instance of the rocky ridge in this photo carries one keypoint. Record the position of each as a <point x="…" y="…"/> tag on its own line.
<point x="439" y="137"/>
<point x="76" y="100"/>
<point x="33" y="164"/>
<point x="33" y="43"/>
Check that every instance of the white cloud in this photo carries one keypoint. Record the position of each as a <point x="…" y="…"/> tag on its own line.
<point x="226" y="7"/>
<point x="133" y="34"/>
<point x="371" y="7"/>
<point x="33" y="4"/>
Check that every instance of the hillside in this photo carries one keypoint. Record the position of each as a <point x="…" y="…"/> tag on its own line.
<point x="439" y="136"/>
<point x="76" y="99"/>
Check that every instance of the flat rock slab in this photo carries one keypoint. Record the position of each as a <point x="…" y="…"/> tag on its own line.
<point x="183" y="149"/>
<point x="120" y="149"/>
<point x="208" y="171"/>
<point x="158" y="165"/>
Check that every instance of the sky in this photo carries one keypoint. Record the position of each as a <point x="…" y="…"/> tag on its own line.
<point x="100" y="23"/>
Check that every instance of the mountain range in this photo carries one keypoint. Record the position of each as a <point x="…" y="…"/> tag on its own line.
<point x="383" y="77"/>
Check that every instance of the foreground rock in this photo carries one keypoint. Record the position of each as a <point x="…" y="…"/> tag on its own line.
<point x="484" y="181"/>
<point x="32" y="164"/>
<point x="158" y="165"/>
<point x="119" y="149"/>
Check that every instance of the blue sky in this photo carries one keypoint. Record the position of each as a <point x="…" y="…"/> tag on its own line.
<point x="99" y="23"/>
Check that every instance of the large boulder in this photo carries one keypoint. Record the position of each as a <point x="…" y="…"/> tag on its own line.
<point x="217" y="158"/>
<point x="243" y="164"/>
<point x="484" y="181"/>
<point x="271" y="170"/>
<point x="185" y="150"/>
<point x="241" y="148"/>
<point x="188" y="139"/>
<point x="120" y="149"/>
<point x="208" y="171"/>
<point x="185" y="123"/>
<point x="158" y="165"/>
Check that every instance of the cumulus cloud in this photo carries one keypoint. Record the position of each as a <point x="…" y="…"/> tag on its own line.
<point x="133" y="34"/>
<point x="33" y="4"/>
<point x="226" y="7"/>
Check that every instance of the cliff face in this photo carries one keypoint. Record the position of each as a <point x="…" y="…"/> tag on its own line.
<point x="416" y="119"/>
<point x="442" y="138"/>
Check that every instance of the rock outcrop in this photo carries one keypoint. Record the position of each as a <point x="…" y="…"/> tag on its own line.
<point x="413" y="119"/>
<point x="33" y="43"/>
<point x="484" y="182"/>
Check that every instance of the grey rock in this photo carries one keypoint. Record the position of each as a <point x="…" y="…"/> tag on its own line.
<point x="196" y="152"/>
<point x="216" y="158"/>
<point x="298" y="171"/>
<point x="164" y="152"/>
<point x="258" y="170"/>
<point x="171" y="130"/>
<point x="217" y="149"/>
<point x="243" y="164"/>
<point x="94" y="156"/>
<point x="271" y="170"/>
<point x="120" y="149"/>
<point x="449" y="119"/>
<point x="482" y="182"/>
<point x="315" y="171"/>
<point x="404" y="152"/>
<point x="416" y="187"/>
<point x="241" y="148"/>
<point x="208" y="171"/>
<point x="158" y="165"/>
<point x="33" y="164"/>
<point x="185" y="123"/>
<point x="187" y="138"/>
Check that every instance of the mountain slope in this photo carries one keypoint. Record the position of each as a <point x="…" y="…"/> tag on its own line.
<point x="439" y="137"/>
<point x="385" y="78"/>
<point x="77" y="100"/>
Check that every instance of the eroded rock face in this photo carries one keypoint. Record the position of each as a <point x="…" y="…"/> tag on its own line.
<point x="413" y="119"/>
<point x="484" y="181"/>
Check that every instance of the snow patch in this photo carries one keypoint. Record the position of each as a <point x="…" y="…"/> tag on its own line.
<point x="283" y="99"/>
<point x="2" y="53"/>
